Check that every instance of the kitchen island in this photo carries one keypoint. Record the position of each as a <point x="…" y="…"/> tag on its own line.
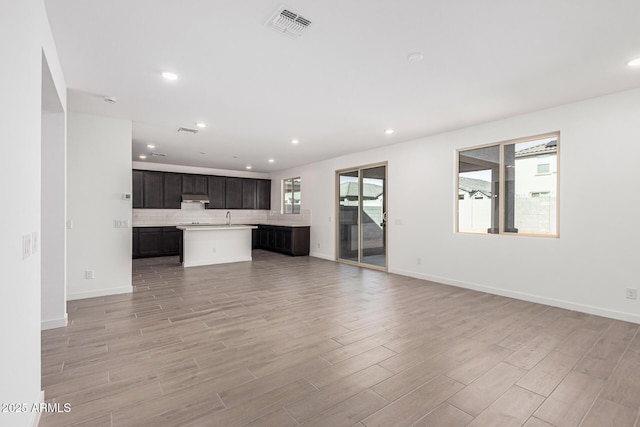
<point x="215" y="244"/>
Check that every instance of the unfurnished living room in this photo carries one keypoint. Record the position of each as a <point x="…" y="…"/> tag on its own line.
<point x="255" y="213"/>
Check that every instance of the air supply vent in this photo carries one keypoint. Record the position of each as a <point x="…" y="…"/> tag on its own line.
<point x="157" y="154"/>
<point x="188" y="130"/>
<point x="288" y="23"/>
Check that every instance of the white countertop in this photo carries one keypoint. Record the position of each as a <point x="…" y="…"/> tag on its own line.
<point x="216" y="225"/>
<point x="220" y="227"/>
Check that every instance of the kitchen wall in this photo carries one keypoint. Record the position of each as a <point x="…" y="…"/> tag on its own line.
<point x="24" y="37"/>
<point x="99" y="174"/>
<point x="586" y="269"/>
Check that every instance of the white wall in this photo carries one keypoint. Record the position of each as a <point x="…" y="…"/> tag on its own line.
<point x="98" y="174"/>
<point x="24" y="36"/>
<point x="586" y="269"/>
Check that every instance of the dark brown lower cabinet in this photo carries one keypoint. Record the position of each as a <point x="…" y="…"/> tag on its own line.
<point x="287" y="240"/>
<point x="167" y="241"/>
<point x="156" y="241"/>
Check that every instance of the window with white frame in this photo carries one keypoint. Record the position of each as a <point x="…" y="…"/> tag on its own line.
<point x="291" y="196"/>
<point x="509" y="187"/>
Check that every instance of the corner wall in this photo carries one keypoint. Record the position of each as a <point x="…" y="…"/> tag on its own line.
<point x="24" y="37"/>
<point x="98" y="174"/>
<point x="586" y="269"/>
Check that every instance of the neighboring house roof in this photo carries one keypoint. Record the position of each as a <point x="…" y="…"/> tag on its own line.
<point x="350" y="191"/>
<point x="471" y="185"/>
<point x="549" y="147"/>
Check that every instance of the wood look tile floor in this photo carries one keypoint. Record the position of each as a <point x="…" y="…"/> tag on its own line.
<point x="285" y="341"/>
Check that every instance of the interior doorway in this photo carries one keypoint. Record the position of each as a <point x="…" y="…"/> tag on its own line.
<point x="361" y="195"/>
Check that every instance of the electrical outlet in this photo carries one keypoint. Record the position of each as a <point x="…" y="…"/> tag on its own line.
<point x="69" y="224"/>
<point x="632" y="293"/>
<point x="34" y="242"/>
<point x="419" y="260"/>
<point x="88" y="274"/>
<point x="318" y="245"/>
<point x="213" y="250"/>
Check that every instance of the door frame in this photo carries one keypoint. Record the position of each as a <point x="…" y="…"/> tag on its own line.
<point x="336" y="198"/>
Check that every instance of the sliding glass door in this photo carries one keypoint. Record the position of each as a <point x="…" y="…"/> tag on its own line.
<point x="362" y="216"/>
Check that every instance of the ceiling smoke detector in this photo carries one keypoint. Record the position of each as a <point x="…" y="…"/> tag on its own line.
<point x="288" y="23"/>
<point x="188" y="130"/>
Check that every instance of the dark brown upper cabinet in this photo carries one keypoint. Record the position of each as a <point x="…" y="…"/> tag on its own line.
<point x="172" y="190"/>
<point x="217" y="192"/>
<point x="248" y="193"/>
<point x="263" y="194"/>
<point x="152" y="190"/>
<point x="164" y="190"/>
<point x="194" y="184"/>
<point x="233" y="193"/>
<point x="137" y="189"/>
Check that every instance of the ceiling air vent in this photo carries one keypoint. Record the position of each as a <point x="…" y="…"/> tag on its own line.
<point x="157" y="154"/>
<point x="288" y="23"/>
<point x="188" y="130"/>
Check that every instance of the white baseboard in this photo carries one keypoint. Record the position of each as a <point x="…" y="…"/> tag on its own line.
<point x="53" y="323"/>
<point x="35" y="416"/>
<point x="321" y="255"/>
<point x="598" y="311"/>
<point x="99" y="293"/>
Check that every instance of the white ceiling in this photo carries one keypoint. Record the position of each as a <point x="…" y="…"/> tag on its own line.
<point x="344" y="81"/>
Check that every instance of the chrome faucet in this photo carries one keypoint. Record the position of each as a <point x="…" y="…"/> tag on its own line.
<point x="228" y="218"/>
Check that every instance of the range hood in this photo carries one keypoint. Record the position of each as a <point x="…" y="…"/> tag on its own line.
<point x="195" y="198"/>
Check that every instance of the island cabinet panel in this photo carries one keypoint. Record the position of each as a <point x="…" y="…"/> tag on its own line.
<point x="263" y="194"/>
<point x="288" y="240"/>
<point x="152" y="190"/>
<point x="137" y="188"/>
<point x="248" y="193"/>
<point x="172" y="190"/>
<point x="194" y="184"/>
<point x="233" y="193"/>
<point x="217" y="192"/>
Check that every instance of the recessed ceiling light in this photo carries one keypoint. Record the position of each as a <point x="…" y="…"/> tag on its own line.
<point x="142" y="156"/>
<point x="201" y="125"/>
<point x="151" y="146"/>
<point x="389" y="131"/>
<point x="415" y="57"/>
<point x="248" y="167"/>
<point x="170" y="76"/>
<point x="271" y="160"/>
<point x="294" y="141"/>
<point x="634" y="63"/>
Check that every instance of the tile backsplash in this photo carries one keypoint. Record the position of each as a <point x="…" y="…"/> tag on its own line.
<point x="195" y="212"/>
